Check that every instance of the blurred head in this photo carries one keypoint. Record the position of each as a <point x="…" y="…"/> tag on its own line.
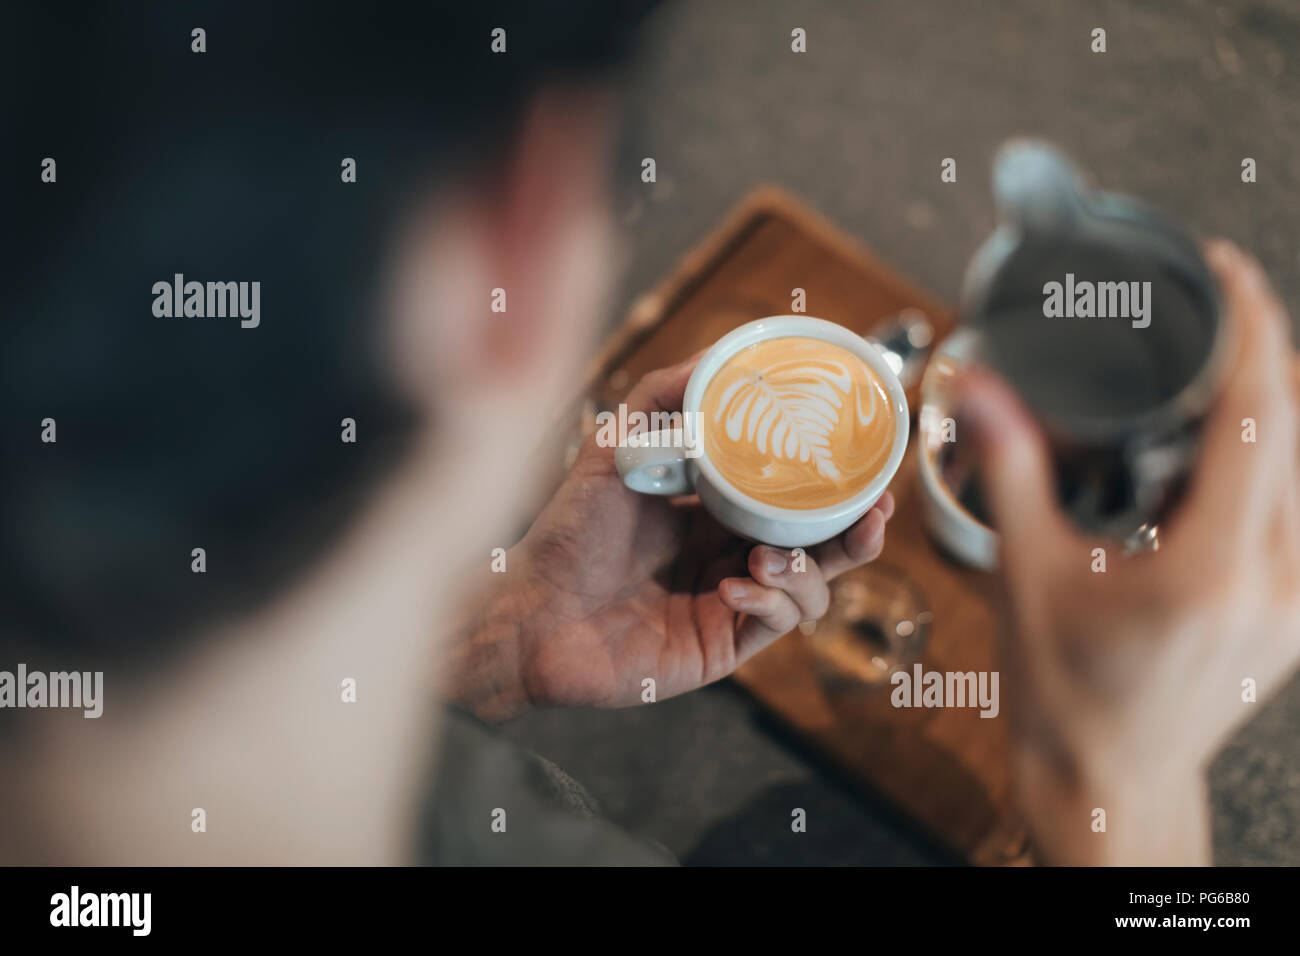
<point x="475" y="171"/>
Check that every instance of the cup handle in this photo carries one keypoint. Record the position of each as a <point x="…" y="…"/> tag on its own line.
<point x="654" y="462"/>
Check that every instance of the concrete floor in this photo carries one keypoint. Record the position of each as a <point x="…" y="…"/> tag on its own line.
<point x="858" y="126"/>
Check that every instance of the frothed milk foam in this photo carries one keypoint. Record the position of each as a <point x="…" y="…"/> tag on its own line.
<point x="797" y="422"/>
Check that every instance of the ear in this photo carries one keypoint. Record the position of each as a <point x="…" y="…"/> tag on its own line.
<point x="501" y="290"/>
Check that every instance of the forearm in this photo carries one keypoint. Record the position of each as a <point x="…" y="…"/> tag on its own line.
<point x="1142" y="822"/>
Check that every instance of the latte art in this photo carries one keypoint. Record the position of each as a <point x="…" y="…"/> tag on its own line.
<point x="797" y="422"/>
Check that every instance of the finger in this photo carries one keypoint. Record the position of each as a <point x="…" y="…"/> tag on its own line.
<point x="663" y="390"/>
<point x="801" y="579"/>
<point x="862" y="543"/>
<point x="767" y="613"/>
<point x="1258" y="387"/>
<point x="1015" y="475"/>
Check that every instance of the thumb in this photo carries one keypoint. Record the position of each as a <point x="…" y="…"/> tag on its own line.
<point x="1015" y="472"/>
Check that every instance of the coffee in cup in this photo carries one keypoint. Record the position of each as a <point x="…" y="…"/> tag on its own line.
<point x="797" y="422"/>
<point x="792" y="429"/>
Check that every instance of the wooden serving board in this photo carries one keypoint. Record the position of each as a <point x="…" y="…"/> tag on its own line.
<point x="945" y="769"/>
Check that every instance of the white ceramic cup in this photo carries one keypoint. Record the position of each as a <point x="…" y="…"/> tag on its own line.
<point x="657" y="462"/>
<point x="963" y="535"/>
